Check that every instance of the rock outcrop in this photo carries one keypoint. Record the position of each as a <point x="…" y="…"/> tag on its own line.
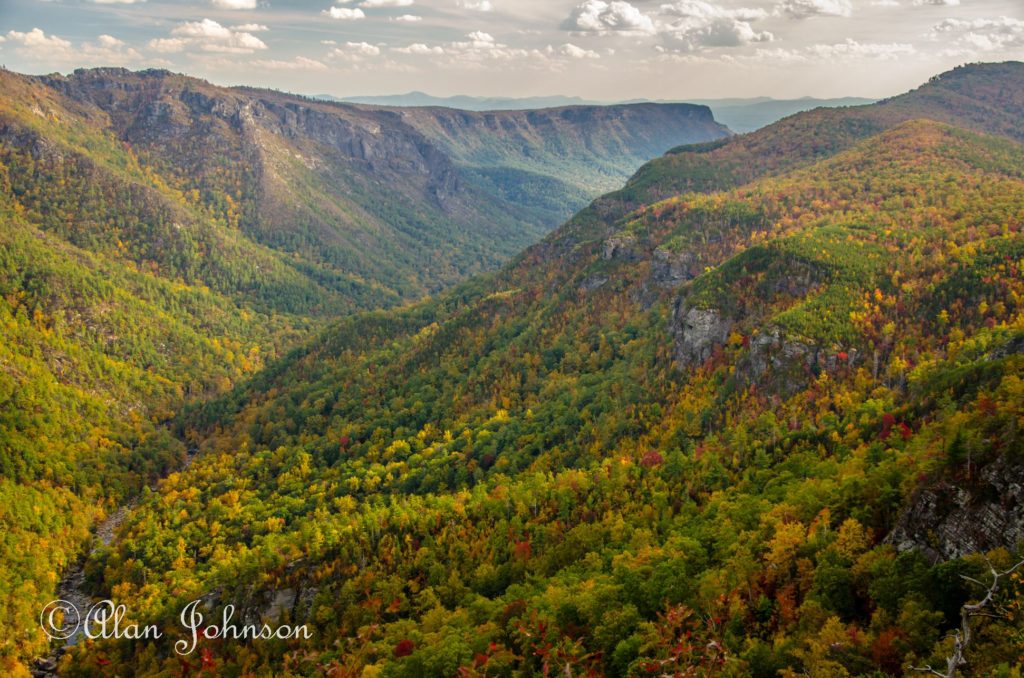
<point x="621" y="248"/>
<point x="592" y="282"/>
<point x="948" y="520"/>
<point x="697" y="331"/>
<point x="669" y="269"/>
<point x="772" y="352"/>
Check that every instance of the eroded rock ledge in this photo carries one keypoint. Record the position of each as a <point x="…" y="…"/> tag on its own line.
<point x="950" y="520"/>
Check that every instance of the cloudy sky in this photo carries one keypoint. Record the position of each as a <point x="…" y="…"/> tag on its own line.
<point x="598" y="49"/>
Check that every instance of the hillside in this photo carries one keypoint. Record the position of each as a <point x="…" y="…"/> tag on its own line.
<point x="161" y="239"/>
<point x="375" y="208"/>
<point x="760" y="427"/>
<point x="120" y="299"/>
<point x="585" y="147"/>
<point x="981" y="97"/>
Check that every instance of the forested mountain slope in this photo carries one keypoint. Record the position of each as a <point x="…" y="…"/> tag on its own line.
<point x="982" y="97"/>
<point x="738" y="114"/>
<point x="160" y="238"/>
<point x="375" y="205"/>
<point x="120" y="299"/>
<point x="585" y="147"/>
<point x="686" y="433"/>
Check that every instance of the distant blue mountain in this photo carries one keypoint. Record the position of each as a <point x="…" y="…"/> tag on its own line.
<point x="747" y="115"/>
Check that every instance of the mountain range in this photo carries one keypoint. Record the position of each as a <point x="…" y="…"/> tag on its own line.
<point x="756" y="412"/>
<point x="738" y="114"/>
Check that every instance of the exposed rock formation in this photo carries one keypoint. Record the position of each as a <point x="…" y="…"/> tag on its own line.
<point x="948" y="521"/>
<point x="283" y="602"/>
<point x="772" y="351"/>
<point x="669" y="269"/>
<point x="621" y="247"/>
<point x="697" y="331"/>
<point x="591" y="283"/>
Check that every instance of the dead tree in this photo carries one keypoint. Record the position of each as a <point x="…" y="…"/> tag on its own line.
<point x="962" y="636"/>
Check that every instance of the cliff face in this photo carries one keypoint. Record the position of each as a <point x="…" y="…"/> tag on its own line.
<point x="550" y="141"/>
<point x="697" y="331"/>
<point x="394" y="202"/>
<point x="181" y="118"/>
<point x="952" y="519"/>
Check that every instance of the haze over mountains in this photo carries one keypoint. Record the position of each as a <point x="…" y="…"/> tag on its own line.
<point x="757" y="412"/>
<point x="738" y="114"/>
<point x="754" y="412"/>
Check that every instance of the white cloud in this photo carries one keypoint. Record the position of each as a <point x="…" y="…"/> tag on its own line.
<point x="479" y="43"/>
<point x="108" y="50"/>
<point x="885" y="3"/>
<point x="695" y="24"/>
<point x="251" y="28"/>
<point x="938" y="3"/>
<point x="208" y="36"/>
<point x="477" y="5"/>
<point x="850" y="50"/>
<point x="355" y="50"/>
<point x="105" y="51"/>
<point x="420" y="49"/>
<point x="573" y="52"/>
<point x="299" y="63"/>
<point x="387" y="3"/>
<point x="407" y="18"/>
<point x="598" y="16"/>
<point x="109" y="41"/>
<point x="704" y="10"/>
<point x="985" y="35"/>
<point x="37" y="39"/>
<point x="168" y="45"/>
<point x="802" y="9"/>
<point x="683" y="25"/>
<point x="478" y="48"/>
<point x="345" y="13"/>
<point x="235" y="4"/>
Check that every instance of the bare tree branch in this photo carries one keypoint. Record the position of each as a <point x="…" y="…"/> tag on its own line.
<point x="962" y="637"/>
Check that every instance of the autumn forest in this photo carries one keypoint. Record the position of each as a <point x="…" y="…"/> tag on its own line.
<point x="577" y="392"/>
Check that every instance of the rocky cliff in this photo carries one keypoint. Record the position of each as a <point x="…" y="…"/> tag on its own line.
<point x="384" y="203"/>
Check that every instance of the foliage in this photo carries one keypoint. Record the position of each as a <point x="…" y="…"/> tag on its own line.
<point x="520" y="476"/>
<point x="516" y="476"/>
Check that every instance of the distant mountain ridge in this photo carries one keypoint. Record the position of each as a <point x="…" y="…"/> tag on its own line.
<point x="986" y="98"/>
<point x="738" y="114"/>
<point x="748" y="116"/>
<point x="467" y="103"/>
<point x="382" y="203"/>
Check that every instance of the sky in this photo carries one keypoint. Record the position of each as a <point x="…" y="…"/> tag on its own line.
<point x="598" y="49"/>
